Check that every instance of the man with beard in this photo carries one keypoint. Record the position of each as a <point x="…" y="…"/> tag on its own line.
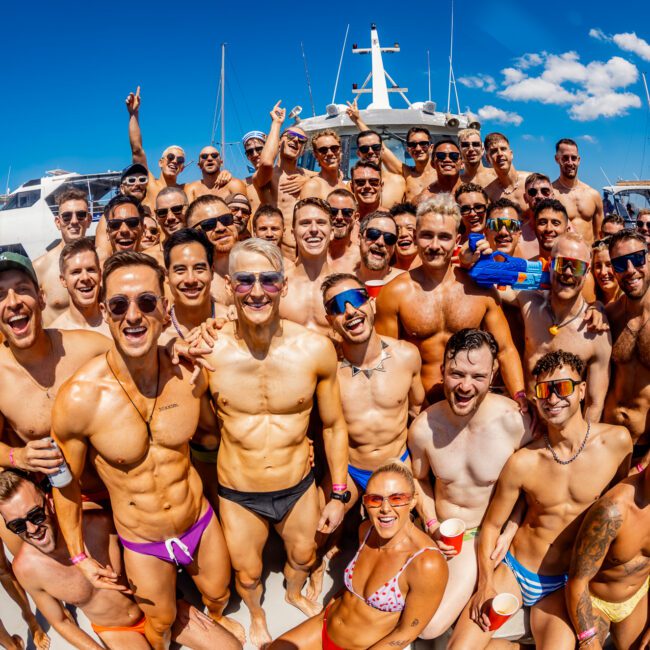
<point x="366" y="183"/>
<point x="81" y="276"/>
<point x="472" y="202"/>
<point x="34" y="364"/>
<point x="133" y="412"/>
<point x="44" y="567"/>
<point x="582" y="202"/>
<point x="253" y="143"/>
<point x="213" y="178"/>
<point x="303" y="303"/>
<point x="268" y="224"/>
<point x="406" y="252"/>
<point x="428" y="304"/>
<point x="171" y="209"/>
<point x="628" y="401"/>
<point x="72" y="220"/>
<point x="377" y="239"/>
<point x="560" y="474"/>
<point x="418" y="146"/>
<point x="447" y="163"/>
<point x="551" y="221"/>
<point x="268" y="374"/>
<point x="464" y="440"/>
<point x="240" y="207"/>
<point x="537" y="188"/>
<point x="326" y="147"/>
<point x="343" y="252"/>
<point x="508" y="182"/>
<point x="471" y="148"/>
<point x="211" y="215"/>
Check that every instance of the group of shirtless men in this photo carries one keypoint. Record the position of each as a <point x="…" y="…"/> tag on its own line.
<point x="235" y="374"/>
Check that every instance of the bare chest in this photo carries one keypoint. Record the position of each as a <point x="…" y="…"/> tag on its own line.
<point x="303" y="304"/>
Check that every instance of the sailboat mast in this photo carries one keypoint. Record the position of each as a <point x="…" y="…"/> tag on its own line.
<point x="223" y="104"/>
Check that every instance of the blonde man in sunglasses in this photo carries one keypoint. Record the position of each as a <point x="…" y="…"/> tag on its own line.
<point x="326" y="146"/>
<point x="471" y="148"/>
<point x="214" y="180"/>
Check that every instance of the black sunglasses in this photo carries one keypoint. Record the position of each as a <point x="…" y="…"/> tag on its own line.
<point x="366" y="148"/>
<point x="544" y="191"/>
<point x="478" y="208"/>
<point x="413" y="144"/>
<point x="172" y="156"/>
<point x="176" y="210"/>
<point x="207" y="225"/>
<point x="443" y="155"/>
<point x="334" y="148"/>
<point x="131" y="223"/>
<point x="146" y="302"/>
<point x="346" y="212"/>
<point x="251" y="150"/>
<point x="637" y="258"/>
<point x="473" y="145"/>
<point x="643" y="225"/>
<point x="35" y="516"/>
<point x="66" y="216"/>
<point x="213" y="154"/>
<point x="360" y="182"/>
<point x="373" y="234"/>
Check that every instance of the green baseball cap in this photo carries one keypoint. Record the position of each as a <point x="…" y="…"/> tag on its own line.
<point x="17" y="261"/>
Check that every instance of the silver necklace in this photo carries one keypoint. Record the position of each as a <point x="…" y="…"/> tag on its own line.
<point x="556" y="458"/>
<point x="368" y="371"/>
<point x="172" y="314"/>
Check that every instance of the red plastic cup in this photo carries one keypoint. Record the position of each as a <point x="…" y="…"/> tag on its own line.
<point x="373" y="287"/>
<point x="451" y="533"/>
<point x="502" y="608"/>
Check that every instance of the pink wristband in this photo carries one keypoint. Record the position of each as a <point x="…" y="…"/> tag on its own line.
<point x="78" y="558"/>
<point x="639" y="466"/>
<point x="431" y="521"/>
<point x="12" y="461"/>
<point x="339" y="487"/>
<point x="587" y="634"/>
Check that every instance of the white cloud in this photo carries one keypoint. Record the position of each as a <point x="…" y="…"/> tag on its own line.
<point x="627" y="41"/>
<point x="494" y="114"/>
<point x="530" y="60"/>
<point x="588" y="138"/>
<point x="607" y="105"/>
<point x="598" y="34"/>
<point x="537" y="89"/>
<point x="483" y="81"/>
<point x="532" y="138"/>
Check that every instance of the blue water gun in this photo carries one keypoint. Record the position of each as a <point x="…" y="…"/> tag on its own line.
<point x="504" y="270"/>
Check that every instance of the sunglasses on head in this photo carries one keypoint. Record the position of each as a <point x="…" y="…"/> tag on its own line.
<point x="367" y="148"/>
<point x="373" y="234"/>
<point x="454" y="156"/>
<point x="147" y="303"/>
<point x="561" y="264"/>
<point x="251" y="150"/>
<point x="292" y="135"/>
<point x="176" y="210"/>
<point x="270" y="281"/>
<point x="131" y="223"/>
<point x="360" y="182"/>
<point x="66" y="216"/>
<point x="496" y="223"/>
<point x="397" y="500"/>
<point x="136" y="180"/>
<point x="346" y="212"/>
<point x="355" y="297"/>
<point x="35" y="516"/>
<point x="334" y="148"/>
<point x="478" y="208"/>
<point x="208" y="225"/>
<point x="561" y="387"/>
<point x="637" y="258"/>
<point x="414" y="144"/>
<point x="172" y="156"/>
<point x="472" y="145"/>
<point x="534" y="191"/>
<point x="212" y="154"/>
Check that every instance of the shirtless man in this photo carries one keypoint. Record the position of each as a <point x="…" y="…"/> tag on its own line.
<point x="268" y="372"/>
<point x="343" y="251"/>
<point x="212" y="179"/>
<point x="536" y="188"/>
<point x="471" y="148"/>
<point x="326" y="147"/>
<point x="240" y="207"/>
<point x="418" y="146"/>
<point x="303" y="304"/>
<point x="366" y="183"/>
<point x="465" y="441"/>
<point x="253" y="143"/>
<point x="428" y="304"/>
<point x="72" y="220"/>
<point x="406" y="252"/>
<point x="612" y="224"/>
<point x="551" y="221"/>
<point x="508" y="182"/>
<point x="377" y="239"/>
<point x="268" y="223"/>
<point x="447" y="163"/>
<point x="171" y="210"/>
<point x="643" y="224"/>
<point x="582" y="202"/>
<point x="559" y="475"/>
<point x="133" y="413"/>
<point x="610" y="567"/>
<point x="472" y="202"/>
<point x="628" y="400"/>
<point x="81" y="277"/>
<point x="44" y="567"/>
<point x="211" y="215"/>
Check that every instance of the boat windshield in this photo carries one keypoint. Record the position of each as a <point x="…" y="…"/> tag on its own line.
<point x="22" y="200"/>
<point x="100" y="190"/>
<point x="626" y="202"/>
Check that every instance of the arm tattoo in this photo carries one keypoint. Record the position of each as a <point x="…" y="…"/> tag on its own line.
<point x="398" y="644"/>
<point x="584" y="611"/>
<point x="415" y="622"/>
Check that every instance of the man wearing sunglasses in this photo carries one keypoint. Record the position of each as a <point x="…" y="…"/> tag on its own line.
<point x="137" y="412"/>
<point x="343" y="252"/>
<point x="240" y="207"/>
<point x="471" y="148"/>
<point x="508" y="183"/>
<point x="472" y="202"/>
<point x="582" y="202"/>
<point x="536" y="188"/>
<point x="72" y="220"/>
<point x="267" y="374"/>
<point x="464" y="441"/>
<point x="171" y="210"/>
<point x="377" y="240"/>
<point x="253" y="143"/>
<point x="628" y="401"/>
<point x="447" y="163"/>
<point x="367" y="186"/>
<point x="643" y="224"/>
<point x="560" y="475"/>
<point x="431" y="302"/>
<point x="326" y="147"/>
<point x="406" y="252"/>
<point x="418" y="147"/>
<point x="214" y="180"/>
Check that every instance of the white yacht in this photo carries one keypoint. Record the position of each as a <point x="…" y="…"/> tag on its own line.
<point x="626" y="198"/>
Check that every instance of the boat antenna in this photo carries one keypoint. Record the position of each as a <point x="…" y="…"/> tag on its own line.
<point x="338" y="74"/>
<point x="311" y="96"/>
<point x="429" y="73"/>
<point x="606" y="177"/>
<point x="223" y="104"/>
<point x="8" y="176"/>
<point x="451" y="56"/>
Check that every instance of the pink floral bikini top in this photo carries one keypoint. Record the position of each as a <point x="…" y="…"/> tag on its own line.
<point x="388" y="598"/>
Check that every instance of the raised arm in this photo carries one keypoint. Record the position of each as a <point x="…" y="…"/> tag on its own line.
<point x="135" y="135"/>
<point x="264" y="171"/>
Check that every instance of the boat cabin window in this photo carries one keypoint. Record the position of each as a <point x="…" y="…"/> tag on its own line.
<point x="99" y="190"/>
<point x="22" y="200"/>
<point x="627" y="203"/>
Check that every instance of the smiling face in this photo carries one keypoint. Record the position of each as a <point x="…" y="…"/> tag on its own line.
<point x="558" y="410"/>
<point x="190" y="275"/>
<point x="170" y="212"/>
<point x="369" y="140"/>
<point x="21" y="307"/>
<point x="366" y="186"/>
<point x="125" y="236"/>
<point x="472" y="210"/>
<point x="223" y="238"/>
<point x="634" y="281"/>
<point x="466" y="379"/>
<point x="71" y="220"/>
<point x="418" y="147"/>
<point x="436" y="237"/>
<point x="253" y="150"/>
<point x="150" y="233"/>
<point x="500" y="156"/>
<point x="172" y="162"/>
<point x="541" y="190"/>
<point x="565" y="284"/>
<point x="405" y="235"/>
<point x="81" y="277"/>
<point x="209" y="160"/>
<point x="387" y="520"/>
<point x="376" y="253"/>
<point x="603" y="270"/>
<point x="503" y="240"/>
<point x="327" y="151"/>
<point x="471" y="148"/>
<point x="568" y="159"/>
<point x="549" y="225"/>
<point x="313" y="231"/>
<point x="356" y="323"/>
<point x="342" y="225"/>
<point x="291" y="144"/>
<point x="443" y="163"/>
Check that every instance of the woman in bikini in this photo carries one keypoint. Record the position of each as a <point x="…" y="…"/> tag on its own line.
<point x="394" y="583"/>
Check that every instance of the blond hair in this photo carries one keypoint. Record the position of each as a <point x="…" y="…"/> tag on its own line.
<point x="395" y="466"/>
<point x="262" y="247"/>
<point x="322" y="134"/>
<point x="465" y="133"/>
<point x="442" y="204"/>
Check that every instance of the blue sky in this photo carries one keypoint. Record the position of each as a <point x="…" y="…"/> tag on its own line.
<point x="68" y="67"/>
